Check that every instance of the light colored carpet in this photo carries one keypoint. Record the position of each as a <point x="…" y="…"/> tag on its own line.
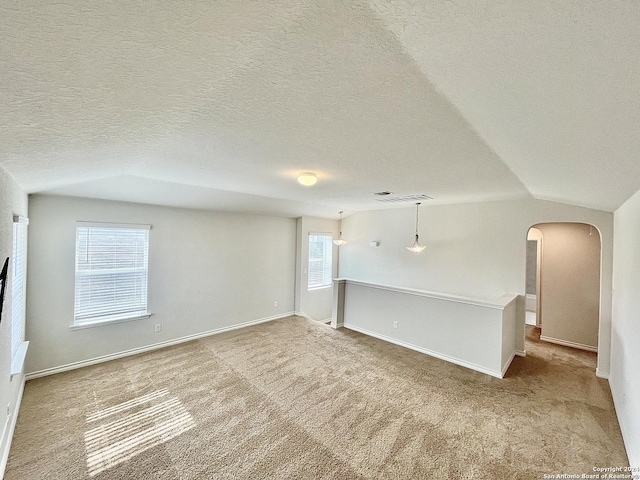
<point x="296" y="399"/>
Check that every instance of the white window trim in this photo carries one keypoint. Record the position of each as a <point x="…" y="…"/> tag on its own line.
<point x="140" y="226"/>
<point x="110" y="321"/>
<point x="114" y="319"/>
<point x="20" y="354"/>
<point x="330" y="284"/>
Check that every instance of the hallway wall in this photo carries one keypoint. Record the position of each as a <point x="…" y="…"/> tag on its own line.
<point x="570" y="284"/>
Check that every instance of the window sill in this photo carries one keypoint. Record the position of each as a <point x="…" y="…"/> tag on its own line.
<point x="17" y="365"/>
<point x="110" y="321"/>
<point x="319" y="288"/>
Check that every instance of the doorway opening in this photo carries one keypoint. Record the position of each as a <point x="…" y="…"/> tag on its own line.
<point x="563" y="283"/>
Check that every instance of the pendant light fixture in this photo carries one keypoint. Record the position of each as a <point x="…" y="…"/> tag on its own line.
<point x="340" y="241"/>
<point x="416" y="247"/>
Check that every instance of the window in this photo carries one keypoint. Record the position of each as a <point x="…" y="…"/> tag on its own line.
<point x="320" y="261"/>
<point x="111" y="272"/>
<point x="18" y="351"/>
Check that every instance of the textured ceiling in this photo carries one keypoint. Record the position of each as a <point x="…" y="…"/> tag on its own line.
<point x="221" y="104"/>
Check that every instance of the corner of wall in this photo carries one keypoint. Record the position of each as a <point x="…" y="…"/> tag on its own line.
<point x="13" y="200"/>
<point x="625" y="329"/>
<point x="316" y="303"/>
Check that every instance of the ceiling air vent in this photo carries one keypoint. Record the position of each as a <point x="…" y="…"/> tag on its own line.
<point x="404" y="198"/>
<point x="382" y="194"/>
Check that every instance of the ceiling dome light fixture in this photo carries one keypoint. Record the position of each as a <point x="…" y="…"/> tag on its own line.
<point x="416" y="247"/>
<point x="307" y="179"/>
<point x="340" y="241"/>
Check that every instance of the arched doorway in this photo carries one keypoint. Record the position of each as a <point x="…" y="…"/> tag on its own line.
<point x="566" y="297"/>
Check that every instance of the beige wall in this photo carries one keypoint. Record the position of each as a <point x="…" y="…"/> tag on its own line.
<point x="570" y="284"/>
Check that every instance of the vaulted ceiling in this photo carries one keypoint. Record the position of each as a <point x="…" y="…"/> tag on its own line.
<point x="221" y="104"/>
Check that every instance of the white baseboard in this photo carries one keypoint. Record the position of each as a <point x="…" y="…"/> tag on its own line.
<point x="7" y="432"/>
<point x="601" y="374"/>
<point x="148" y="348"/>
<point x="426" y="351"/>
<point x="6" y="446"/>
<point x="567" y="343"/>
<point x="521" y="353"/>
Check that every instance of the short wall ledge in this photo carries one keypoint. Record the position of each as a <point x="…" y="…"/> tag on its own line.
<point x="17" y="365"/>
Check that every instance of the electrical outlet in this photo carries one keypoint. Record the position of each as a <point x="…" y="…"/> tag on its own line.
<point x="275" y="304"/>
<point x="395" y="324"/>
<point x="158" y="327"/>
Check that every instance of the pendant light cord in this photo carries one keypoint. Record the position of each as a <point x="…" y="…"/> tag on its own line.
<point x="417" y="205"/>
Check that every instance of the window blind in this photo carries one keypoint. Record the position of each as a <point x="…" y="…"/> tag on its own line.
<point x="320" y="260"/>
<point x="111" y="272"/>
<point x="18" y="282"/>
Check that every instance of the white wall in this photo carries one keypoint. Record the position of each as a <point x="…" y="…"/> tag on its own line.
<point x="625" y="338"/>
<point x="12" y="201"/>
<point x="207" y="271"/>
<point x="315" y="304"/>
<point x="474" y="249"/>
<point x="570" y="284"/>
